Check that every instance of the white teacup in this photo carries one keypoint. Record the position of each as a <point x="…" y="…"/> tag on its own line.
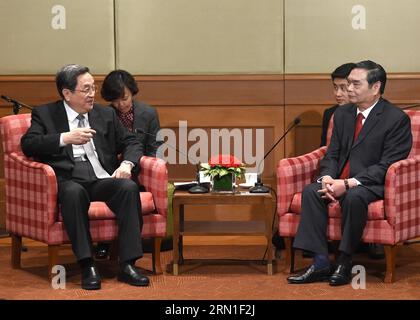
<point x="251" y="178"/>
<point x="203" y="178"/>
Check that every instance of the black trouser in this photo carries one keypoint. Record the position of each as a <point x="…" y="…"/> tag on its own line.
<point x="312" y="231"/>
<point x="120" y="195"/>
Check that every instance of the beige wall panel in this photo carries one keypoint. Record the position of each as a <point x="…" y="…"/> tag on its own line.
<point x="30" y="44"/>
<point x="319" y="35"/>
<point x="199" y="36"/>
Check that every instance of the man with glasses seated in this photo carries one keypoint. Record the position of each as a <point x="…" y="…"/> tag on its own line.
<point x="80" y="140"/>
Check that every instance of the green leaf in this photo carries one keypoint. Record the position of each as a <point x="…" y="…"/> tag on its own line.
<point x="205" y="166"/>
<point x="223" y="172"/>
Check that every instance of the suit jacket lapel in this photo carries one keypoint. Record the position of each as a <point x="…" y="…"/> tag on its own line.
<point x="349" y="128"/>
<point x="62" y="124"/>
<point x="370" y="122"/>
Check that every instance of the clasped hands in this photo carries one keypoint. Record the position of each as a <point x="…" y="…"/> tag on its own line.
<point x="332" y="189"/>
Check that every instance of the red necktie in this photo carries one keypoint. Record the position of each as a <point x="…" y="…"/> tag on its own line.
<point x="346" y="170"/>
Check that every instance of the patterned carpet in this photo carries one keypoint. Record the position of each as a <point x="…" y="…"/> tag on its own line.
<point x="231" y="281"/>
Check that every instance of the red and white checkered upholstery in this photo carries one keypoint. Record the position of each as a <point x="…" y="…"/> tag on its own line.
<point x="31" y="194"/>
<point x="390" y="221"/>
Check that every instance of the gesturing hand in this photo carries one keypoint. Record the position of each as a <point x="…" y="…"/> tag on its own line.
<point x="78" y="136"/>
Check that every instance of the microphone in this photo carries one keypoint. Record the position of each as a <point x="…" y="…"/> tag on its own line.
<point x="194" y="189"/>
<point x="410" y="106"/>
<point x="259" y="187"/>
<point x="16" y="104"/>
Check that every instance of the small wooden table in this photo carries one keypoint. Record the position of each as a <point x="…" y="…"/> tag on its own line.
<point x="260" y="225"/>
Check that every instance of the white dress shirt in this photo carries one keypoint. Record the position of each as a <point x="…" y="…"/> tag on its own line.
<point x="78" y="150"/>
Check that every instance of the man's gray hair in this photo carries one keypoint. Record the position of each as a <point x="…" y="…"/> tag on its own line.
<point x="66" y="77"/>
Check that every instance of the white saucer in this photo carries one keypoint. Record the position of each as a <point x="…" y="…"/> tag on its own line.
<point x="246" y="185"/>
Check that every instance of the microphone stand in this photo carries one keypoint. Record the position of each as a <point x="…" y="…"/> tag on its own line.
<point x="16" y="104"/>
<point x="194" y="189"/>
<point x="259" y="186"/>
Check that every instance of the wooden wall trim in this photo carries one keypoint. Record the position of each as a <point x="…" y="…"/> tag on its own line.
<point x="100" y="77"/>
<point x="225" y="101"/>
<point x="316" y="89"/>
<point x="305" y="95"/>
<point x="325" y="76"/>
<point x="250" y="90"/>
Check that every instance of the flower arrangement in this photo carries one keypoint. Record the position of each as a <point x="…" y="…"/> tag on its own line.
<point x="221" y="165"/>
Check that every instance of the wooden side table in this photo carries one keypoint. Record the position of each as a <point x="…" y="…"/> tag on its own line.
<point x="261" y="224"/>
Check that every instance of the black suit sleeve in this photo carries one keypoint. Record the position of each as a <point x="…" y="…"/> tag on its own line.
<point x="127" y="143"/>
<point x="326" y="117"/>
<point x="36" y="141"/>
<point x="397" y="146"/>
<point x="329" y="164"/>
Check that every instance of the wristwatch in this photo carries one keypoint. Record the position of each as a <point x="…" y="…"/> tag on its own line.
<point x="346" y="184"/>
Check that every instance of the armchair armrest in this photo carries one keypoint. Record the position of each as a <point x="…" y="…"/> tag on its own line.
<point x="154" y="177"/>
<point x="31" y="196"/>
<point x="293" y="174"/>
<point x="402" y="197"/>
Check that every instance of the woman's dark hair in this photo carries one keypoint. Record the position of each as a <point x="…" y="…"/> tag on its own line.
<point x="66" y="77"/>
<point x="114" y="84"/>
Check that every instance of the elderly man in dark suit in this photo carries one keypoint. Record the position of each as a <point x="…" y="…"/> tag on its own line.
<point x="81" y="141"/>
<point x="339" y="81"/>
<point x="369" y="135"/>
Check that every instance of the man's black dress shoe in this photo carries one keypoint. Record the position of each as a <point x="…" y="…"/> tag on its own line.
<point x="90" y="278"/>
<point x="311" y="275"/>
<point x="341" y="275"/>
<point x="131" y="275"/>
<point x="102" y="251"/>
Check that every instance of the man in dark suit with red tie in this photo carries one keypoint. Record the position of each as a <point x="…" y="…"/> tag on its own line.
<point x="81" y="141"/>
<point x="369" y="135"/>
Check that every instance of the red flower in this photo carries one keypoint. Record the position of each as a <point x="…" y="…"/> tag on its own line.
<point x="225" y="161"/>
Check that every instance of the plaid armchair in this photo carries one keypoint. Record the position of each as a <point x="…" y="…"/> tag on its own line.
<point x="391" y="221"/>
<point x="31" y="200"/>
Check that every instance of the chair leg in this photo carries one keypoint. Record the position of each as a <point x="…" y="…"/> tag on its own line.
<point x="290" y="254"/>
<point x="16" y="251"/>
<point x="157" y="268"/>
<point x="52" y="259"/>
<point x="390" y="253"/>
